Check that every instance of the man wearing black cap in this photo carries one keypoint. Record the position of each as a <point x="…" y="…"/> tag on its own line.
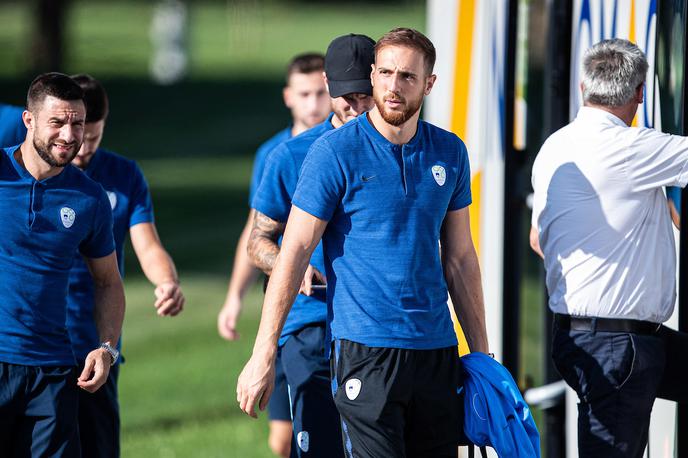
<point x="301" y="349"/>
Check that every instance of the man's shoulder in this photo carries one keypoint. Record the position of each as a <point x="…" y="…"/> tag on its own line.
<point x="113" y="159"/>
<point x="76" y="180"/>
<point x="302" y="142"/>
<point x="436" y="133"/>
<point x="272" y="142"/>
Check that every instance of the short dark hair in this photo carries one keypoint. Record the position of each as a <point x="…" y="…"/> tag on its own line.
<point x="95" y="97"/>
<point x="306" y="63"/>
<point x="52" y="84"/>
<point x="411" y="38"/>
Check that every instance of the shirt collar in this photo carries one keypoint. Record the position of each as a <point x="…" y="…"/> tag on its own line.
<point x="21" y="170"/>
<point x="380" y="139"/>
<point x="599" y="115"/>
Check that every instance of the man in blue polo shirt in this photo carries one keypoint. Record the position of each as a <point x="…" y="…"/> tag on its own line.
<point x="12" y="129"/>
<point x="301" y="354"/>
<point x="389" y="196"/>
<point x="50" y="210"/>
<point x="132" y="213"/>
<point x="305" y="95"/>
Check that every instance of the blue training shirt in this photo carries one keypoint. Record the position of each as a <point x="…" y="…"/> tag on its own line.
<point x="44" y="223"/>
<point x="131" y="204"/>
<point x="12" y="129"/>
<point x="385" y="205"/>
<point x="261" y="155"/>
<point x="273" y="199"/>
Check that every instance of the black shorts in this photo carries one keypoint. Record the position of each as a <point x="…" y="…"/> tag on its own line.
<point x="398" y="402"/>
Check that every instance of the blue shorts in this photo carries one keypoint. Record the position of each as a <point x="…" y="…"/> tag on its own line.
<point x="38" y="411"/>
<point x="317" y="430"/>
<point x="279" y="408"/>
<point x="99" y="419"/>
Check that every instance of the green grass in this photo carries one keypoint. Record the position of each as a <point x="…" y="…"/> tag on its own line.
<point x="177" y="387"/>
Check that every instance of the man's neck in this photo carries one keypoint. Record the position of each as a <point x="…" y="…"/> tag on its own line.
<point x="626" y="112"/>
<point x="27" y="156"/>
<point x="298" y="128"/>
<point x="399" y="135"/>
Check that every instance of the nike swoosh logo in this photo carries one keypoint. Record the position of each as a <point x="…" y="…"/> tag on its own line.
<point x="367" y="179"/>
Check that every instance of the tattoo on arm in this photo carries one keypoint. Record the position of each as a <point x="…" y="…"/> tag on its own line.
<point x="262" y="243"/>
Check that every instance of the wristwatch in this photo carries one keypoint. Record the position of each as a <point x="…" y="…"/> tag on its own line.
<point x="114" y="354"/>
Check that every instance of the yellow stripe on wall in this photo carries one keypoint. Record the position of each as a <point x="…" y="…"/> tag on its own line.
<point x="459" y="122"/>
<point x="462" y="80"/>
<point x="631" y="38"/>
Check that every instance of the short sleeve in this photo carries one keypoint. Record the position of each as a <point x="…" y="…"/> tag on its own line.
<point x="461" y="197"/>
<point x="321" y="182"/>
<point x="273" y="197"/>
<point x="257" y="173"/>
<point x="657" y="159"/>
<point x="140" y="204"/>
<point x="100" y="241"/>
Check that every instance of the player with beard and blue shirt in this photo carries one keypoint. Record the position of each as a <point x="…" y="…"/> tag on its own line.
<point x="388" y="194"/>
<point x="132" y="212"/>
<point x="50" y="211"/>
<point x="305" y="95"/>
<point x="302" y="352"/>
<point x="12" y="128"/>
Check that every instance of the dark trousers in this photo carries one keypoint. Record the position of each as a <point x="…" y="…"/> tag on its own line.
<point x="99" y="419"/>
<point x="616" y="377"/>
<point x="279" y="406"/>
<point x="38" y="411"/>
<point x="317" y="432"/>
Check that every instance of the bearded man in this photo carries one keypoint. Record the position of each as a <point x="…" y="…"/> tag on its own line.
<point x="50" y="211"/>
<point x="382" y="191"/>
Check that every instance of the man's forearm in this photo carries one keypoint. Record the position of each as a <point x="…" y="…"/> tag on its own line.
<point x="463" y="281"/>
<point x="157" y="265"/>
<point x="109" y="311"/>
<point x="279" y="297"/>
<point x="243" y="270"/>
<point x="262" y="242"/>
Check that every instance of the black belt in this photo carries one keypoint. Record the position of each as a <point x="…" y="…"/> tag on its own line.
<point x="582" y="323"/>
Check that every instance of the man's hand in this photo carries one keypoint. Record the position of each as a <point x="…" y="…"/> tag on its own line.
<point x="169" y="299"/>
<point x="96" y="370"/>
<point x="312" y="277"/>
<point x="227" y="319"/>
<point x="256" y="383"/>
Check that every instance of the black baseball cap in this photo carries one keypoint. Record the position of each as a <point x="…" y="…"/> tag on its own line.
<point x="347" y="65"/>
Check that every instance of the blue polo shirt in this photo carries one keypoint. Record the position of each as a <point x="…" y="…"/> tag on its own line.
<point x="131" y="204"/>
<point x="12" y="129"/>
<point x="44" y="223"/>
<point x="261" y="155"/>
<point x="273" y="199"/>
<point x="385" y="204"/>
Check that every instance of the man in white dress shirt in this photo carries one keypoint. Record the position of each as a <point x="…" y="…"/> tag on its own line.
<point x="601" y="223"/>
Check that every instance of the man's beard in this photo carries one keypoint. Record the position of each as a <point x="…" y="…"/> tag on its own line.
<point x="397" y="118"/>
<point x="43" y="151"/>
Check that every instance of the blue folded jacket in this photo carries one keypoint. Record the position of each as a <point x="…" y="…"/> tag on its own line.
<point x="495" y="413"/>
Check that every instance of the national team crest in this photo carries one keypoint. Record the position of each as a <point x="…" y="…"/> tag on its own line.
<point x="303" y="440"/>
<point x="113" y="199"/>
<point x="67" y="216"/>
<point x="439" y="174"/>
<point x="352" y="388"/>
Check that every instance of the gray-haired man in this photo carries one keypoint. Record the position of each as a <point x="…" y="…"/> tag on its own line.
<point x="601" y="223"/>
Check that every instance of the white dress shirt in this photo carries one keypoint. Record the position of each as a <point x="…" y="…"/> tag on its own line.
<point x="602" y="217"/>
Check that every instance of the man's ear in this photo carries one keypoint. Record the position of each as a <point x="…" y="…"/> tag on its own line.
<point x="429" y="83"/>
<point x="639" y="93"/>
<point x="28" y="119"/>
<point x="286" y="95"/>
